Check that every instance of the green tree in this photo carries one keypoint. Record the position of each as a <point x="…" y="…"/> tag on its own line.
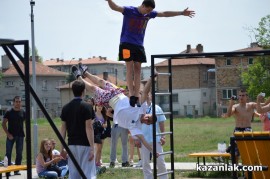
<point x="70" y="78"/>
<point x="262" y="33"/>
<point x="257" y="76"/>
<point x="39" y="58"/>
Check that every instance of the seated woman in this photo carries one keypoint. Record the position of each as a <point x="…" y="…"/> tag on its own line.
<point x="46" y="164"/>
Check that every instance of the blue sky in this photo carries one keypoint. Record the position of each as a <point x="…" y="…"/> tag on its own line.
<point x="84" y="28"/>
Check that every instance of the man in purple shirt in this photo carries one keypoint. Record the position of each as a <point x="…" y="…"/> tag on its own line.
<point x="131" y="49"/>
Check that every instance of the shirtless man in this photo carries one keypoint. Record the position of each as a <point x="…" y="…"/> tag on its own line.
<point x="243" y="112"/>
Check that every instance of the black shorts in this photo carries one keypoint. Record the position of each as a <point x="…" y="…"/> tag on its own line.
<point x="130" y="52"/>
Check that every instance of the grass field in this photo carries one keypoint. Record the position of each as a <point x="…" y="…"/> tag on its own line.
<point x="190" y="135"/>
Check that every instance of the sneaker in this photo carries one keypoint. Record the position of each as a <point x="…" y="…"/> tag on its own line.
<point x="126" y="164"/>
<point x="112" y="165"/>
<point x="139" y="164"/>
<point x="101" y="170"/>
<point x="83" y="68"/>
<point x="133" y="100"/>
<point x="131" y="162"/>
<point x="76" y="72"/>
<point x="17" y="173"/>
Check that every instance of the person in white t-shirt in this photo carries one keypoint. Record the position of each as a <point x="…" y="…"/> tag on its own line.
<point x="123" y="114"/>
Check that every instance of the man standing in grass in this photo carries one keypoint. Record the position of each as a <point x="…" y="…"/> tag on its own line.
<point x="77" y="124"/>
<point x="15" y="118"/>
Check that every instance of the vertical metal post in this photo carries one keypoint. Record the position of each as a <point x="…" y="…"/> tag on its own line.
<point x="27" y="110"/>
<point x="171" y="116"/>
<point x="34" y="111"/>
<point x="154" y="115"/>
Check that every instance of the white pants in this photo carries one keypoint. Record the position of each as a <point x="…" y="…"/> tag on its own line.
<point x="161" y="167"/>
<point x="81" y="154"/>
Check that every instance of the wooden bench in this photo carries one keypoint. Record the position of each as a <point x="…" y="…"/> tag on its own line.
<point x="254" y="151"/>
<point x="11" y="168"/>
<point x="226" y="156"/>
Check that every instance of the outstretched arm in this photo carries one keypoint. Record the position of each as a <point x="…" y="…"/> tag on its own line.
<point x="260" y="108"/>
<point x="115" y="7"/>
<point x="230" y="109"/>
<point x="186" y="12"/>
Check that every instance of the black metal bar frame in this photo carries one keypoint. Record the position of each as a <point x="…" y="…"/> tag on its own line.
<point x="180" y="56"/>
<point x="28" y="89"/>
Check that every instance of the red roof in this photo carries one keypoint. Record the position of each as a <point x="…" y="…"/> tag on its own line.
<point x="41" y="70"/>
<point x="95" y="60"/>
<point x="249" y="49"/>
<point x="188" y="61"/>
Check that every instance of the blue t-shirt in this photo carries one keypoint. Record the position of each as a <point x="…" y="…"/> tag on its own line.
<point x="147" y="130"/>
<point x="134" y="25"/>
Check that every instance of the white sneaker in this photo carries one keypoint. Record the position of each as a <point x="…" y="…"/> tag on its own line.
<point x="139" y="164"/>
<point x="131" y="162"/>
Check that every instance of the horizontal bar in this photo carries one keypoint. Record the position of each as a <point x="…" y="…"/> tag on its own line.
<point x="165" y="153"/>
<point x="164" y="113"/>
<point x="163" y="93"/>
<point x="169" y="74"/>
<point x="164" y="173"/>
<point x="163" y="133"/>
<point x="214" y="54"/>
<point x="6" y="41"/>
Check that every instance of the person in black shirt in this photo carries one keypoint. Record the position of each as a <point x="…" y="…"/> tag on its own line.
<point x="15" y="118"/>
<point x="77" y="122"/>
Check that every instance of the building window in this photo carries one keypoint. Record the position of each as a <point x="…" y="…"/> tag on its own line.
<point x="61" y="82"/>
<point x="250" y="61"/>
<point x="205" y="76"/>
<point x="175" y="98"/>
<point x="110" y="70"/>
<point x="59" y="103"/>
<point x="228" y="62"/>
<point x="224" y="110"/>
<point x="23" y="95"/>
<point x="45" y="102"/>
<point x="21" y="83"/>
<point x="164" y="99"/>
<point x="204" y="94"/>
<point x="93" y="71"/>
<point x="44" y="85"/>
<point x="228" y="93"/>
<point x="175" y="112"/>
<point x="9" y="102"/>
<point x="9" y="83"/>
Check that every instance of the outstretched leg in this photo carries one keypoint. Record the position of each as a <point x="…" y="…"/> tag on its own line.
<point x="102" y="93"/>
<point x="95" y="79"/>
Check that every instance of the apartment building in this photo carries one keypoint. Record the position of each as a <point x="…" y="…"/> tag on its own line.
<point x="193" y="85"/>
<point x="228" y="77"/>
<point x="47" y="81"/>
<point x="96" y="66"/>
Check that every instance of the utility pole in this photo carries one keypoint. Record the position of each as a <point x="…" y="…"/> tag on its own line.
<point x="34" y="108"/>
